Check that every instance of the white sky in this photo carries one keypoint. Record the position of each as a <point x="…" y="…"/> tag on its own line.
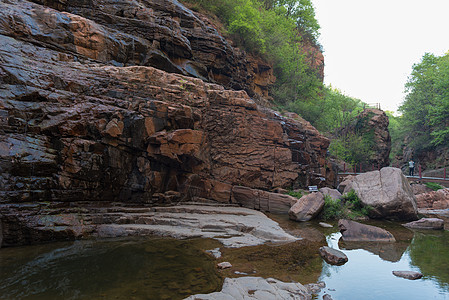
<point x="371" y="46"/>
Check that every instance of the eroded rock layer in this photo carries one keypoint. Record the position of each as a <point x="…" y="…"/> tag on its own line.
<point x="80" y="122"/>
<point x="159" y="33"/>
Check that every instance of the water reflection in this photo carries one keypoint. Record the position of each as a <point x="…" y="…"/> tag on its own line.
<point x="125" y="269"/>
<point x="386" y="251"/>
<point x="174" y="269"/>
<point x="430" y="253"/>
<point x="368" y="273"/>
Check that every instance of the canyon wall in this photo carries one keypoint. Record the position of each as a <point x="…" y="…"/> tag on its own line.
<point x="138" y="101"/>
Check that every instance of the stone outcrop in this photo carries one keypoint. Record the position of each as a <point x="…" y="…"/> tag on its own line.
<point x="262" y="200"/>
<point x="79" y="124"/>
<point x="352" y="231"/>
<point x="433" y="200"/>
<point x="388" y="193"/>
<point x="375" y="122"/>
<point x="256" y="288"/>
<point x="419" y="188"/>
<point x="426" y="223"/>
<point x="232" y="226"/>
<point x="307" y="207"/>
<point x="161" y="33"/>
<point x="333" y="256"/>
<point x="372" y="124"/>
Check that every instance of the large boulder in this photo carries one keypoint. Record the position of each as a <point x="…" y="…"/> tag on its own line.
<point x="307" y="207"/>
<point x="388" y="193"/>
<point x="352" y="231"/>
<point x="433" y="200"/>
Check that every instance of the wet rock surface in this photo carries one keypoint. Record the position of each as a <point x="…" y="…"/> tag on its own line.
<point x="333" y="256"/>
<point x="232" y="226"/>
<point x="256" y="288"/>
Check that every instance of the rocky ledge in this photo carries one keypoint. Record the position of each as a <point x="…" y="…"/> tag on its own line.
<point x="232" y="226"/>
<point x="256" y="288"/>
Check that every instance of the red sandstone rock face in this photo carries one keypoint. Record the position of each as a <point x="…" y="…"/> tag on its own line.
<point x="159" y="33"/>
<point x="433" y="200"/>
<point x="78" y="124"/>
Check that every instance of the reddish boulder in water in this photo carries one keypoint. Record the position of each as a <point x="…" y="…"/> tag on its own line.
<point x="352" y="231"/>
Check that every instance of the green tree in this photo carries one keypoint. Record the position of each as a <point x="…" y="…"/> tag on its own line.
<point x="426" y="106"/>
<point x="439" y="112"/>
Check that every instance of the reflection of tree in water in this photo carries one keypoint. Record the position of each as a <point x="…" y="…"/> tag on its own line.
<point x="430" y="252"/>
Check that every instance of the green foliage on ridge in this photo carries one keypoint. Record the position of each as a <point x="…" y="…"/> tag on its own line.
<point x="274" y="29"/>
<point x="425" y="111"/>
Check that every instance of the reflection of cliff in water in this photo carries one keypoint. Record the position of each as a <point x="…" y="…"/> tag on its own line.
<point x="430" y="252"/>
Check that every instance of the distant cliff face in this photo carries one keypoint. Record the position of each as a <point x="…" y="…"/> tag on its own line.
<point x="94" y="106"/>
<point x="374" y="122"/>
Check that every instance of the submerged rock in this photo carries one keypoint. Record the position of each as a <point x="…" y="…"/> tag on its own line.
<point x="407" y="274"/>
<point x="224" y="265"/>
<point x="387" y="192"/>
<point x="256" y="288"/>
<point x="315" y="288"/>
<point x="325" y="225"/>
<point x="426" y="223"/>
<point x="307" y="207"/>
<point x="216" y="253"/>
<point x="333" y="256"/>
<point x="352" y="231"/>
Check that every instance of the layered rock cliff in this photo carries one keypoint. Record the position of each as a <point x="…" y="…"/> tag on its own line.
<point x="114" y="101"/>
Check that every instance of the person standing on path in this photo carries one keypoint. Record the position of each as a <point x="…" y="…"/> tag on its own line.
<point x="411" y="167"/>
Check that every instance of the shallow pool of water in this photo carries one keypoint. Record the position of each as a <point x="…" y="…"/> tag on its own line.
<point x="156" y="268"/>
<point x="112" y="269"/>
